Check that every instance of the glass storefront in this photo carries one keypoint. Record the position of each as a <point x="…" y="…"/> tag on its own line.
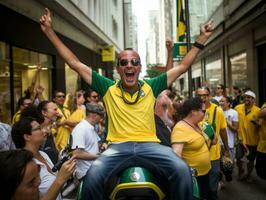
<point x="196" y="75"/>
<point x="238" y="65"/>
<point x="214" y="70"/>
<point x="72" y="80"/>
<point x="5" y="111"/>
<point x="25" y="67"/>
<point x="25" y="71"/>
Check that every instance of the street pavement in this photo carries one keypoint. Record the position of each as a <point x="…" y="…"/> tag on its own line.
<point x="240" y="190"/>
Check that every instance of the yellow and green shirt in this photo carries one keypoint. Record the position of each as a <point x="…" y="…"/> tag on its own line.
<point x="195" y="151"/>
<point x="220" y="123"/>
<point x="130" y="122"/>
<point x="16" y="117"/>
<point x="262" y="133"/>
<point x="63" y="131"/>
<point x="248" y="131"/>
<point x="78" y="115"/>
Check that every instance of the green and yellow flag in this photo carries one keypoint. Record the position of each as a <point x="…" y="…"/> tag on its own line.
<point x="181" y="26"/>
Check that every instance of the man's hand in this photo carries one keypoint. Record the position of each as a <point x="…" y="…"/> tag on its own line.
<point x="46" y="20"/>
<point x="66" y="170"/>
<point x="205" y="32"/>
<point x="207" y="29"/>
<point x="169" y="45"/>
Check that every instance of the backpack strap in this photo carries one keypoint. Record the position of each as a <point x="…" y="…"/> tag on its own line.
<point x="214" y="118"/>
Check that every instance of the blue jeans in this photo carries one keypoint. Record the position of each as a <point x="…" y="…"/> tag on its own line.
<point x="214" y="179"/>
<point x="152" y="154"/>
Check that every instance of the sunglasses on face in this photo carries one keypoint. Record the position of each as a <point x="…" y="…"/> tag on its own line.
<point x="36" y="129"/>
<point x="124" y="62"/>
<point x="60" y="96"/>
<point x="202" y="95"/>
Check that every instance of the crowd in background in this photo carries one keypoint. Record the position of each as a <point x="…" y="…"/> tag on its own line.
<point x="58" y="139"/>
<point x="43" y="128"/>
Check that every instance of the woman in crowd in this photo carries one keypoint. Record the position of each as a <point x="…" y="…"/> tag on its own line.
<point x="20" y="177"/>
<point x="219" y="93"/>
<point x="27" y="134"/>
<point x="77" y="107"/>
<point x="188" y="141"/>
<point x="48" y="111"/>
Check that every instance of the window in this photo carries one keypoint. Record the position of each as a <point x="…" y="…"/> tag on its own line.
<point x="25" y="72"/>
<point x="115" y="3"/>
<point x="196" y="75"/>
<point x="5" y="111"/>
<point x="214" y="73"/>
<point x="72" y="80"/>
<point x="115" y="28"/>
<point x="239" y="70"/>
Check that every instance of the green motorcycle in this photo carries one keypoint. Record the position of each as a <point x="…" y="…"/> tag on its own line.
<point x="138" y="183"/>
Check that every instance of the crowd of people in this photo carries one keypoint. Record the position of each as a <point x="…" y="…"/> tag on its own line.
<point x="123" y="122"/>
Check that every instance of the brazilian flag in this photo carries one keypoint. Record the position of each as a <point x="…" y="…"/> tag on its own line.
<point x="181" y="26"/>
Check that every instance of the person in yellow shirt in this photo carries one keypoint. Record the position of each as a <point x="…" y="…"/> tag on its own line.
<point x="214" y="115"/>
<point x="189" y="143"/>
<point x="129" y="105"/>
<point x="248" y="131"/>
<point x="23" y="103"/>
<point x="261" y="149"/>
<point x="77" y="107"/>
<point x="64" y="125"/>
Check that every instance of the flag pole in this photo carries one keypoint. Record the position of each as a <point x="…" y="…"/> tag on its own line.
<point x="188" y="39"/>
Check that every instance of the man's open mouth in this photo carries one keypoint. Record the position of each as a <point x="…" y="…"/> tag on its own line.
<point x="130" y="76"/>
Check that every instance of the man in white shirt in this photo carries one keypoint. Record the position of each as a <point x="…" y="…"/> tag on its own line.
<point x="85" y="139"/>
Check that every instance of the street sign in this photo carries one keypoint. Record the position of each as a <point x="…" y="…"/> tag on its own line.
<point x="179" y="50"/>
<point x="108" y="54"/>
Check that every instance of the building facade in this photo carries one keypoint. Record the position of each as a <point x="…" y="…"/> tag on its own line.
<point x="235" y="54"/>
<point x="85" y="27"/>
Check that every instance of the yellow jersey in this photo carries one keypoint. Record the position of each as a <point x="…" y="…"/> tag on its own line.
<point x="248" y="130"/>
<point x="262" y="133"/>
<point x="195" y="151"/>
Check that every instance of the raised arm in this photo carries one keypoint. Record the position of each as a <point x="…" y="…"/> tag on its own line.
<point x="169" y="47"/>
<point x="33" y="84"/>
<point x="174" y="73"/>
<point x="69" y="57"/>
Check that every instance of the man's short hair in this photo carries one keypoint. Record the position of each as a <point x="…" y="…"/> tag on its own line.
<point x="94" y="108"/>
<point x="20" y="128"/>
<point x="205" y="88"/>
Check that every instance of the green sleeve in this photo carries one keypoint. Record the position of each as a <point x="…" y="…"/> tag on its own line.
<point x="158" y="84"/>
<point x="100" y="84"/>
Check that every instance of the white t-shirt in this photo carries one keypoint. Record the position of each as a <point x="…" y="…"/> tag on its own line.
<point x="218" y="98"/>
<point x="84" y="137"/>
<point x="231" y="116"/>
<point x="47" y="178"/>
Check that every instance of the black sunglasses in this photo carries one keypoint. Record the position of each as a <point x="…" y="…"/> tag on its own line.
<point x="60" y="96"/>
<point x="36" y="129"/>
<point x="134" y="61"/>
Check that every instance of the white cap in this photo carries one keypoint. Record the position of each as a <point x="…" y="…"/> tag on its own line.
<point x="250" y="93"/>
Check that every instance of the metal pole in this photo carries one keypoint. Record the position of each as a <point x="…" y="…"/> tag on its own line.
<point x="188" y="46"/>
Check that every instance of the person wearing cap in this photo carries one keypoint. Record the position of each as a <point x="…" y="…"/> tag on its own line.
<point x="129" y="104"/>
<point x="85" y="139"/>
<point x="248" y="131"/>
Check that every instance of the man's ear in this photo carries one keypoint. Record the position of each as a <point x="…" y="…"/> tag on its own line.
<point x="43" y="113"/>
<point x="26" y="137"/>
